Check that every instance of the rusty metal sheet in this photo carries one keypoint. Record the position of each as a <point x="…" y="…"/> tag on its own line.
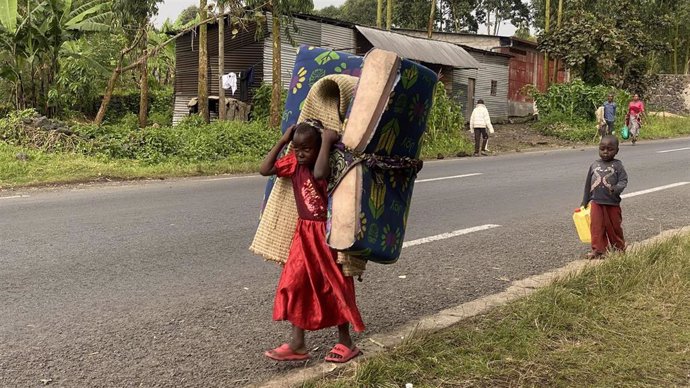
<point x="420" y="49"/>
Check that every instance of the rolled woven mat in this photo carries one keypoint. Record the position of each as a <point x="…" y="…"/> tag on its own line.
<point x="328" y="101"/>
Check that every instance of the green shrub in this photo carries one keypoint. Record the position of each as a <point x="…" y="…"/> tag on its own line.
<point x="445" y="135"/>
<point x="126" y="102"/>
<point x="261" y="102"/>
<point x="191" y="140"/>
<point x="575" y="101"/>
<point x="14" y="132"/>
<point x="562" y="127"/>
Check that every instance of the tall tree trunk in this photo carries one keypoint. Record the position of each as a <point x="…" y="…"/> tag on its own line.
<point x="100" y="116"/>
<point x="379" y="13"/>
<point x="488" y="21"/>
<point x="675" y="48"/>
<point x="558" y="26"/>
<point x="687" y="58"/>
<point x="144" y="82"/>
<point x="221" y="67"/>
<point x="389" y="14"/>
<point x="432" y="17"/>
<point x="547" y="21"/>
<point x="202" y="86"/>
<point x="497" y="24"/>
<point x="108" y="93"/>
<point x="277" y="88"/>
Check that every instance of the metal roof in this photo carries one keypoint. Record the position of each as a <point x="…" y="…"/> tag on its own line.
<point x="420" y="49"/>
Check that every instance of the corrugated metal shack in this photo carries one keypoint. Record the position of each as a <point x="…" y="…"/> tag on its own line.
<point x="525" y="66"/>
<point x="489" y="82"/>
<point x="249" y="53"/>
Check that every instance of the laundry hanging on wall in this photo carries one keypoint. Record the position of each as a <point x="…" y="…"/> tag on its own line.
<point x="230" y="82"/>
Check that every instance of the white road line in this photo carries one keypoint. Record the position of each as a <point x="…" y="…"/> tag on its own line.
<point x="653" y="189"/>
<point x="229" y="178"/>
<point x="15" y="196"/>
<point x="674" y="150"/>
<point x="448" y="177"/>
<point x="444" y="236"/>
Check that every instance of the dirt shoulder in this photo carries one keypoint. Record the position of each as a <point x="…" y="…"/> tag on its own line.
<point x="524" y="137"/>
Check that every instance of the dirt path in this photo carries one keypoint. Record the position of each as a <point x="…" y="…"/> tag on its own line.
<point x="523" y="137"/>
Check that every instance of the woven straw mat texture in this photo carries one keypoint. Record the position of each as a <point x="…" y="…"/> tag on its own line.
<point x="327" y="101"/>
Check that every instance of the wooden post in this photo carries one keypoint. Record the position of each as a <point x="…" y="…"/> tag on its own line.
<point x="202" y="85"/>
<point x="558" y="26"/>
<point x="389" y="16"/>
<point x="379" y="13"/>
<point x="277" y="89"/>
<point x="547" y="20"/>
<point x="432" y="16"/>
<point x="221" y="66"/>
<point x="144" y="82"/>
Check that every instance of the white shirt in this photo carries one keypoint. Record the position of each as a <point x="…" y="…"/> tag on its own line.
<point x="230" y="82"/>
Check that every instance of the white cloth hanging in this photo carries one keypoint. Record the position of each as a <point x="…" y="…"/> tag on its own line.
<point x="230" y="82"/>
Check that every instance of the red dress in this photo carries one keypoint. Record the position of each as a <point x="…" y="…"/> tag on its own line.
<point x="312" y="292"/>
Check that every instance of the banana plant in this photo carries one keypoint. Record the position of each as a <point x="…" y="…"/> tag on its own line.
<point x="32" y="37"/>
<point x="8" y="14"/>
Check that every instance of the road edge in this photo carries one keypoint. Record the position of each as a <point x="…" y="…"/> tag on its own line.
<point x="446" y="318"/>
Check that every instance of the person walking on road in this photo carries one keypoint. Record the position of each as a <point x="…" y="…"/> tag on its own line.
<point x="480" y="122"/>
<point x="609" y="114"/>
<point x="606" y="180"/>
<point x="313" y="293"/>
<point x="634" y="117"/>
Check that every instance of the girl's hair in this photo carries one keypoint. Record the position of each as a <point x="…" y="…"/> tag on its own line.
<point x="480" y="101"/>
<point x="313" y="126"/>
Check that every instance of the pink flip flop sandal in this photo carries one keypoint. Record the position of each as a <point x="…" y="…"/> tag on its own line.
<point x="284" y="353"/>
<point x="345" y="354"/>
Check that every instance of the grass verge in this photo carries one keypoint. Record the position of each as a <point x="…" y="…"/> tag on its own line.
<point x="584" y="131"/>
<point x="42" y="168"/>
<point x="624" y="322"/>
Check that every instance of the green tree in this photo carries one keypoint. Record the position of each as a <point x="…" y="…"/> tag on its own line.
<point x="494" y="12"/>
<point x="457" y="16"/>
<point x="360" y="12"/>
<point x="412" y="14"/>
<point x="31" y="49"/>
<point x="281" y="20"/>
<point x="187" y="15"/>
<point x="331" y="11"/>
<point x="133" y="18"/>
<point x="604" y="46"/>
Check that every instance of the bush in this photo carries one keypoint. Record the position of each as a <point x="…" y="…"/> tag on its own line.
<point x="576" y="101"/>
<point x="191" y="140"/>
<point x="261" y="102"/>
<point x="126" y="102"/>
<point x="14" y="131"/>
<point x="444" y="135"/>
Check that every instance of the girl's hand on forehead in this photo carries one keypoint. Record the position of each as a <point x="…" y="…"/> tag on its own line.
<point x="289" y="133"/>
<point x="330" y="135"/>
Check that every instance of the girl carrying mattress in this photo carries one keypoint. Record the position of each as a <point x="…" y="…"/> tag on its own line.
<point x="312" y="292"/>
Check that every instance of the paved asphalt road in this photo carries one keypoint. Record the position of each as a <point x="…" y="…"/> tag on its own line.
<point x="151" y="284"/>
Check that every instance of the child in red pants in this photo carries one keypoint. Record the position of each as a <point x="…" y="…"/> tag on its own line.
<point x="605" y="182"/>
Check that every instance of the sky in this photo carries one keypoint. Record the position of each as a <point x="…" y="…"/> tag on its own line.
<point x="172" y="8"/>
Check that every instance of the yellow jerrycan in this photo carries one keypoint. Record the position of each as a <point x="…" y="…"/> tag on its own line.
<point x="582" y="223"/>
